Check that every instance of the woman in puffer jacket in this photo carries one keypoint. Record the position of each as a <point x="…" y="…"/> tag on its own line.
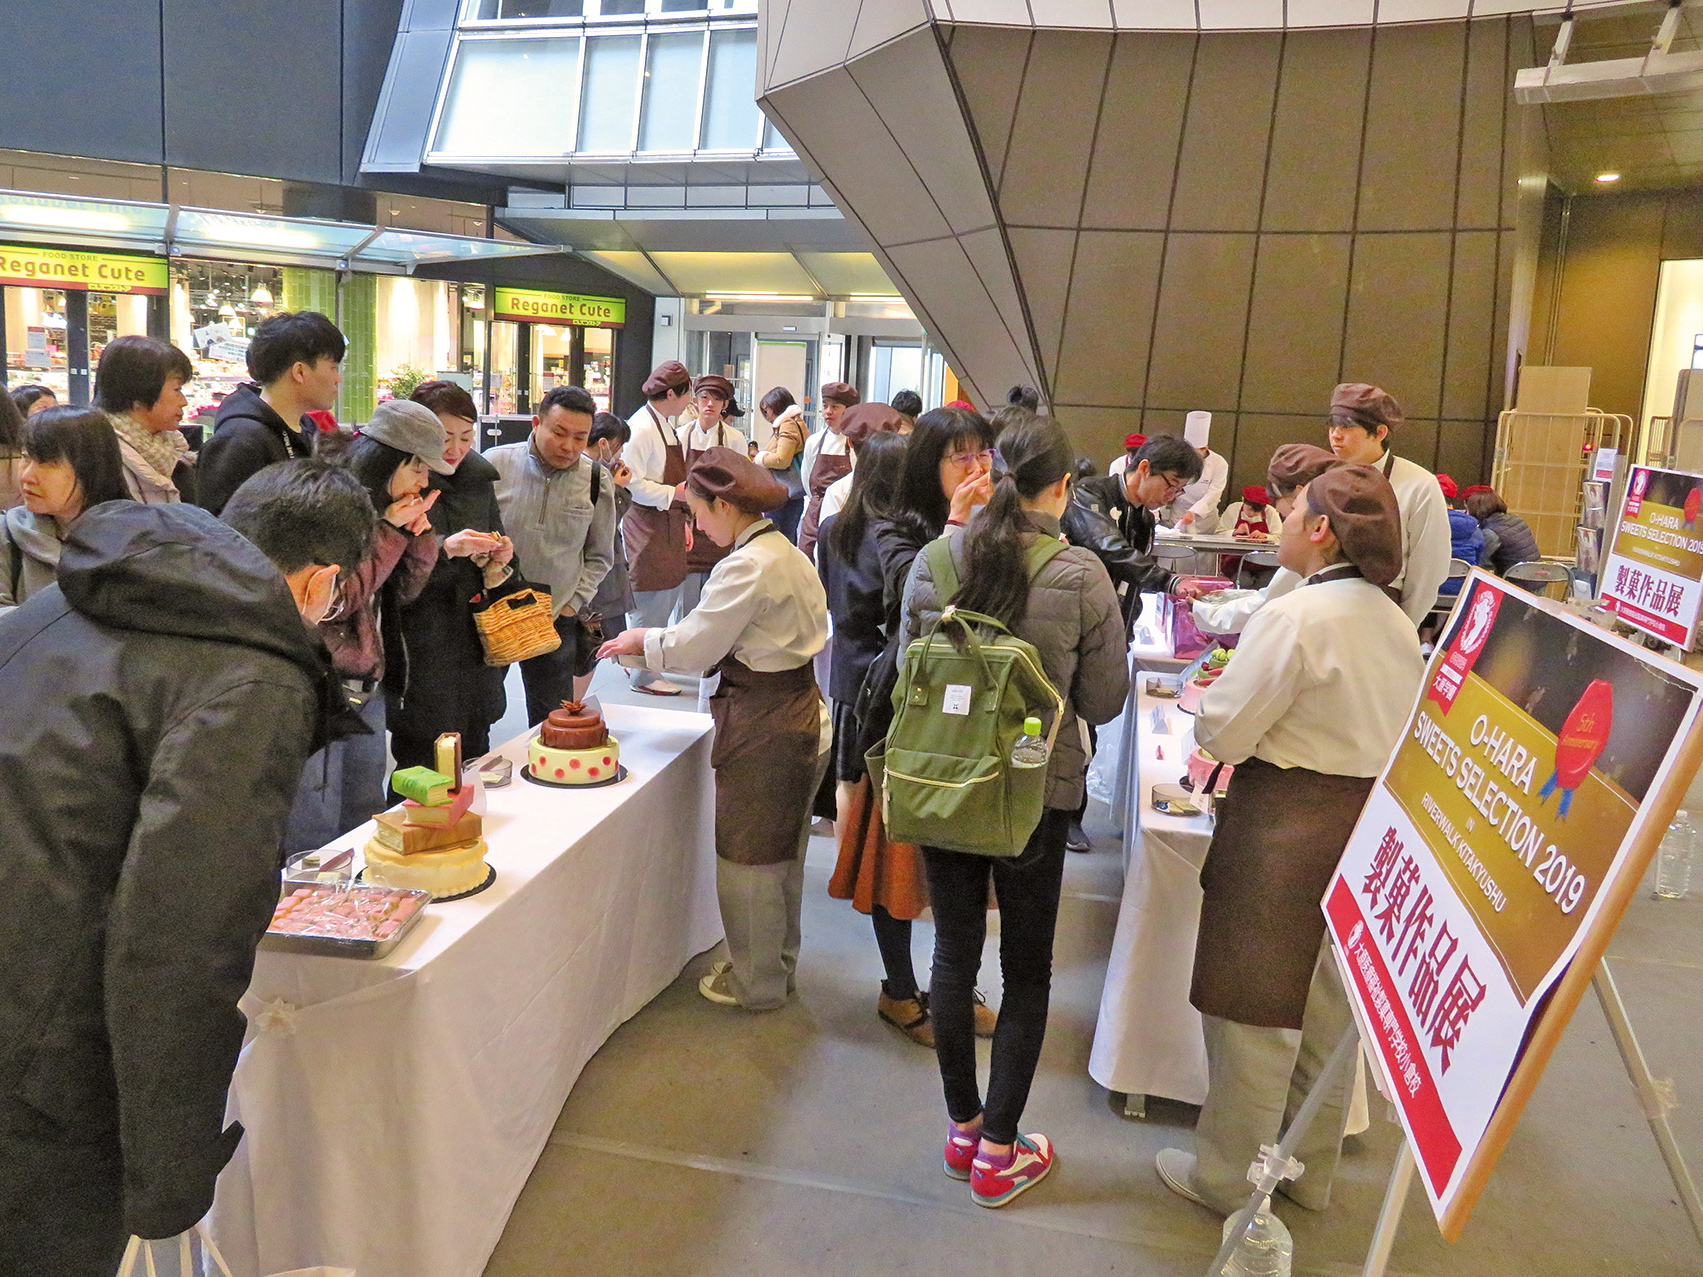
<point x="1070" y="612"/>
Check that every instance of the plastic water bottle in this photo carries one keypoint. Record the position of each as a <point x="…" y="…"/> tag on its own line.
<point x="1031" y="747"/>
<point x="1673" y="859"/>
<point x="1265" y="1249"/>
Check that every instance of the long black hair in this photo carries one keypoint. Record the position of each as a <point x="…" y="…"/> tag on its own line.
<point x="11" y="426"/>
<point x="880" y="466"/>
<point x="996" y="563"/>
<point x="932" y="439"/>
<point x="375" y="464"/>
<point x="84" y="438"/>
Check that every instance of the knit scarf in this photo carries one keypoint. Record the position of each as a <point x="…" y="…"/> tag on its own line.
<point x="162" y="451"/>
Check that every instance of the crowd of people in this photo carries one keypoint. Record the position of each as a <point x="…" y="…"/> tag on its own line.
<point x="214" y="659"/>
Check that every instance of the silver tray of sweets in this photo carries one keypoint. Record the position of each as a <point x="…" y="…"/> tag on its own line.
<point x="343" y="920"/>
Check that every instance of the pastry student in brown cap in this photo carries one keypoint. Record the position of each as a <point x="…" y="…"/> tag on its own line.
<point x="762" y="618"/>
<point x="827" y="458"/>
<point x="1291" y="467"/>
<point x="1363" y="419"/>
<point x="715" y="428"/>
<point x="1306" y="712"/>
<point x="656" y="528"/>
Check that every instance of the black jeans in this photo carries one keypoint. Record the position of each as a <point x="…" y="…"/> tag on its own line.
<point x="1027" y="888"/>
<point x="549" y="679"/>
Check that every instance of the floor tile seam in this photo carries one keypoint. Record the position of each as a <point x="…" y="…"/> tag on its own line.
<point x="799" y="1179"/>
<point x="1677" y="964"/>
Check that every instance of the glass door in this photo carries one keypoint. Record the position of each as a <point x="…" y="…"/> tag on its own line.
<point x="36" y="346"/>
<point x="505" y="388"/>
<point x="598" y="372"/>
<point x="552" y="351"/>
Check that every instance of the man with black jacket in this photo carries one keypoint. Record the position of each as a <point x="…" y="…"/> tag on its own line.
<point x="1113" y="516"/>
<point x="160" y="700"/>
<point x="294" y="360"/>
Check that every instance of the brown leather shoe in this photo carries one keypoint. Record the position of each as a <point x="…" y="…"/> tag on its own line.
<point x="908" y="1015"/>
<point x="987" y="1019"/>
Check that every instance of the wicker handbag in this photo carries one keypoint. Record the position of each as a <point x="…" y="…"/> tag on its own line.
<point x="516" y="621"/>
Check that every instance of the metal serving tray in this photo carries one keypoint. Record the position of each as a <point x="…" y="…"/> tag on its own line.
<point x="343" y="946"/>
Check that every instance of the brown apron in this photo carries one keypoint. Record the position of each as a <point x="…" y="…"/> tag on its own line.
<point x="705" y="553"/>
<point x="768" y="742"/>
<point x="824" y="471"/>
<point x="656" y="539"/>
<point x="1280" y="833"/>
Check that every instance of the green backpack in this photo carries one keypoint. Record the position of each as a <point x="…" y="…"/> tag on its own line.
<point x="945" y="770"/>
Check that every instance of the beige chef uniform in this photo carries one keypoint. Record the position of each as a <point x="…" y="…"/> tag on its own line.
<point x="762" y="617"/>
<point x="1308" y="712"/>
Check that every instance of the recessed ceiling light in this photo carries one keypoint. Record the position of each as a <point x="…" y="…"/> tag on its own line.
<point x="1608" y="177"/>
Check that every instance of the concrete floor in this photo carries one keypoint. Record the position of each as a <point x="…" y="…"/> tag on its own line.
<point x="707" y="1142"/>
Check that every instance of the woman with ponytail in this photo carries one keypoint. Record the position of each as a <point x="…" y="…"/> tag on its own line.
<point x="1069" y="611"/>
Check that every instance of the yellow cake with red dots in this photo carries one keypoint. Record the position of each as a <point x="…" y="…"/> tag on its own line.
<point x="573" y="747"/>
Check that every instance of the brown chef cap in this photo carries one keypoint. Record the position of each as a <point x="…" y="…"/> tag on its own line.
<point x="1296" y="463"/>
<point x="1363" y="513"/>
<point x="1357" y="404"/>
<point x="671" y="376"/>
<point x="737" y="480"/>
<point x="865" y="419"/>
<point x="723" y="387"/>
<point x="840" y="393"/>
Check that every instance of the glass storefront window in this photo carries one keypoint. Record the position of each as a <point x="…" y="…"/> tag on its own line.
<point x="417" y="337"/>
<point x="611" y="96"/>
<point x="35" y="339"/>
<point x="600" y="366"/>
<point x="732" y="121"/>
<point x="215" y="307"/>
<point x="671" y="91"/>
<point x="521" y="91"/>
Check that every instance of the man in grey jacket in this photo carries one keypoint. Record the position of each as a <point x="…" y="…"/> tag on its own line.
<point x="559" y="508"/>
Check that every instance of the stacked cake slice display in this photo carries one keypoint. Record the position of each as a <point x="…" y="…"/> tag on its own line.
<point x="434" y="841"/>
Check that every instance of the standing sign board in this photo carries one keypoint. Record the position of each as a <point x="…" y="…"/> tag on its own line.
<point x="1653" y="577"/>
<point x="1493" y="860"/>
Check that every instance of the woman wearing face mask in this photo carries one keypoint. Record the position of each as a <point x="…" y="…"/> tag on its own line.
<point x="762" y="619"/>
<point x="717" y="410"/>
<point x="1069" y="611"/>
<point x="70" y="462"/>
<point x="139" y="383"/>
<point x="443" y="684"/>
<point x="392" y="456"/>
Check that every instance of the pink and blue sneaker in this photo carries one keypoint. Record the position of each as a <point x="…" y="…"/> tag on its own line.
<point x="1031" y="1159"/>
<point x="960" y="1151"/>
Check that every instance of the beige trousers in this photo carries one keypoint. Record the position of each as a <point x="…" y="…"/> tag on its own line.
<point x="1258" y="1079"/>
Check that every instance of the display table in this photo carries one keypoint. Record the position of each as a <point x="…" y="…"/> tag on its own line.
<point x="1148" y="1040"/>
<point x="395" y="1108"/>
<point x="1215" y="544"/>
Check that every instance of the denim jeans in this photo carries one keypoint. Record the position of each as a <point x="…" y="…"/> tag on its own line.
<point x="1027" y="888"/>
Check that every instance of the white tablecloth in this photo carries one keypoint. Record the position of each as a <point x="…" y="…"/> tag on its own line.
<point x="395" y="1108"/>
<point x="1148" y="1040"/>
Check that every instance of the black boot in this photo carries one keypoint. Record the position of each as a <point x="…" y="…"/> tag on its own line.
<point x="1074" y="838"/>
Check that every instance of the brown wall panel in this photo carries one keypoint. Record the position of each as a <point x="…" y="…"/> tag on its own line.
<point x="1417" y="441"/>
<point x="1222" y="170"/>
<point x="1397" y="306"/>
<point x="1109" y="321"/>
<point x="988" y="63"/>
<point x="1315" y="141"/>
<point x="1098" y="432"/>
<point x="1460" y="451"/>
<point x="1259" y="434"/>
<point x="1044" y="260"/>
<point x="1407" y="179"/>
<point x="1488" y="97"/>
<point x="1047" y="165"/>
<point x="1472" y="321"/>
<point x="1141" y="122"/>
<point x="1203" y="315"/>
<point x="1608" y="294"/>
<point x="1295" y="329"/>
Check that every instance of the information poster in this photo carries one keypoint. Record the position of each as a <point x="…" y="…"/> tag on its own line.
<point x="1509" y="828"/>
<point x="1652" y="576"/>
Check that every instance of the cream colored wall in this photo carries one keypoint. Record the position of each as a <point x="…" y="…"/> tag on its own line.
<point x="414" y="325"/>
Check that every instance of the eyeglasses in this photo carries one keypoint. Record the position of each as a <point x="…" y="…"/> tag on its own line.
<point x="1173" y="485"/>
<point x="968" y="459"/>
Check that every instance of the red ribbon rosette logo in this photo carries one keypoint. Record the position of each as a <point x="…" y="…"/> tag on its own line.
<point x="1693" y="503"/>
<point x="1463" y="653"/>
<point x="1580" y="744"/>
